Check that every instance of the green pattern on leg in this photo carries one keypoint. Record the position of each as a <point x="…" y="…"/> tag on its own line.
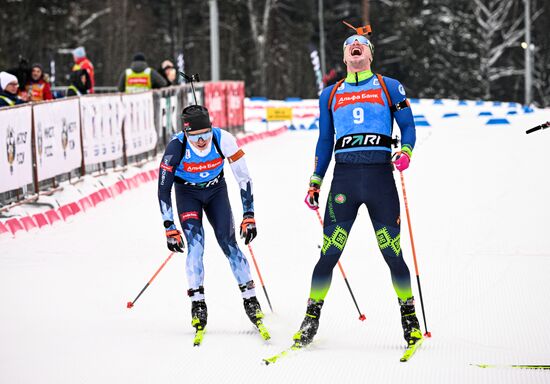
<point x="383" y="237"/>
<point x="339" y="238"/>
<point x="385" y="240"/>
<point x="396" y="244"/>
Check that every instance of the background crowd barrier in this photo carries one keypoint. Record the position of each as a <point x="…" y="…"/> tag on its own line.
<point x="43" y="144"/>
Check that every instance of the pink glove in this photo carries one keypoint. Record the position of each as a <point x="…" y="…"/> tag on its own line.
<point x="312" y="198"/>
<point x="402" y="162"/>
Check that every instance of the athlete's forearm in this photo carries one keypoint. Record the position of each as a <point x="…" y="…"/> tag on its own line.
<point x="405" y="120"/>
<point x="242" y="175"/>
<point x="170" y="160"/>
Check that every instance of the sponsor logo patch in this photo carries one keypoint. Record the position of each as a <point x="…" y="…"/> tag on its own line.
<point x="167" y="168"/>
<point x="201" y="167"/>
<point x="189" y="215"/>
<point x="340" y="198"/>
<point x="138" y="80"/>
<point x="370" y="96"/>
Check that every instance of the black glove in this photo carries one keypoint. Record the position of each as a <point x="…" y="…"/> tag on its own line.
<point x="173" y="237"/>
<point x="248" y="228"/>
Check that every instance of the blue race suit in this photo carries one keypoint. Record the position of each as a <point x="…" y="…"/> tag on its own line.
<point x="200" y="187"/>
<point x="360" y="119"/>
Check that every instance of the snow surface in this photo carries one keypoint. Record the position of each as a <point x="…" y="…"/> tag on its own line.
<point x="479" y="200"/>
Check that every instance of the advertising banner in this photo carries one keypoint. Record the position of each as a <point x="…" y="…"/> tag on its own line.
<point x="235" y="104"/>
<point x="168" y="115"/>
<point x="215" y="101"/>
<point x="57" y="135"/>
<point x="15" y="148"/>
<point x="139" y="123"/>
<point x="102" y="118"/>
<point x="279" y="114"/>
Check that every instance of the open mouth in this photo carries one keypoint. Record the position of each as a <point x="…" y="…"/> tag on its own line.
<point x="356" y="51"/>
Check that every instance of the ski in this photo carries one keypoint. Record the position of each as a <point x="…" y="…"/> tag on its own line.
<point x="516" y="366"/>
<point x="411" y="349"/>
<point x="263" y="330"/>
<point x="199" y="334"/>
<point x="291" y="350"/>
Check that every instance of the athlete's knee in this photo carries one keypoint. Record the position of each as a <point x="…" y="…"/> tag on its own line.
<point x="335" y="238"/>
<point x="227" y="244"/>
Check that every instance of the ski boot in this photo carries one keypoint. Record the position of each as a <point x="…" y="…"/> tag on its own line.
<point x="309" y="326"/>
<point x="255" y="314"/>
<point x="411" y="327"/>
<point x="198" y="320"/>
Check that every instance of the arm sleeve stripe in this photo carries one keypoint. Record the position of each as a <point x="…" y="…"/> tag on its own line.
<point x="236" y="156"/>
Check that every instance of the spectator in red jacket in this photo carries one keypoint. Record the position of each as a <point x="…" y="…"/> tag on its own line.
<point x="82" y="62"/>
<point x="37" y="87"/>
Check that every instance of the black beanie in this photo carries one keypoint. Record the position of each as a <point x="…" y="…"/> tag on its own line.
<point x="195" y="117"/>
<point x="139" y="57"/>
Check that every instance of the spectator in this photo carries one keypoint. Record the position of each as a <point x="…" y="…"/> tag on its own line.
<point x="23" y="74"/>
<point x="168" y="71"/>
<point x="82" y="62"/>
<point x="37" y="87"/>
<point x="8" y="90"/>
<point x="140" y="77"/>
<point x="80" y="83"/>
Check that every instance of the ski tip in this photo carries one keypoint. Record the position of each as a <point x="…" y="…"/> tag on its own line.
<point x="129" y="305"/>
<point x="362" y="317"/>
<point x="270" y="360"/>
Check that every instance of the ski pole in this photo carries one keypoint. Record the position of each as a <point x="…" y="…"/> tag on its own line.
<point x="428" y="333"/>
<point x="361" y="315"/>
<point x="130" y="304"/>
<point x="260" y="276"/>
<point x="538" y="127"/>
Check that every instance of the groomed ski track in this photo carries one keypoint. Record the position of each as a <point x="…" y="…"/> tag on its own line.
<point x="479" y="198"/>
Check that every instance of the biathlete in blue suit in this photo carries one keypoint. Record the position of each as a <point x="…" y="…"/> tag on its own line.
<point x="358" y="112"/>
<point x="193" y="162"/>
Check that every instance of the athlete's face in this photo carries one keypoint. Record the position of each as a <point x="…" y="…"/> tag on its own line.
<point x="357" y="56"/>
<point x="200" y="139"/>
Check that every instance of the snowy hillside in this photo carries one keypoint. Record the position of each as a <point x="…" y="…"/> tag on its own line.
<point x="479" y="203"/>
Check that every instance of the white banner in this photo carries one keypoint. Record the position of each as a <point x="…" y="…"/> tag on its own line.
<point x="102" y="118"/>
<point x="57" y="135"/>
<point x="168" y="115"/>
<point x="139" y="124"/>
<point x="15" y="148"/>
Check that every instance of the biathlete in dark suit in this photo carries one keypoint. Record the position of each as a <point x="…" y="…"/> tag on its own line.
<point x="193" y="162"/>
<point x="359" y="111"/>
